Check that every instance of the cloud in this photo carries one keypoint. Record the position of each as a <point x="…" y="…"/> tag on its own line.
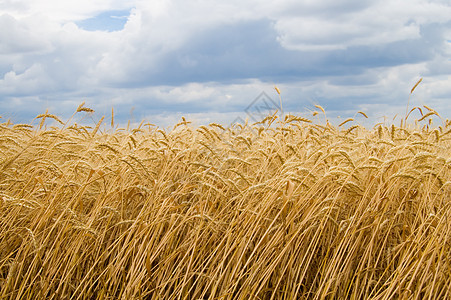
<point x="324" y="25"/>
<point x="62" y="62"/>
<point x="208" y="57"/>
<point x="20" y="37"/>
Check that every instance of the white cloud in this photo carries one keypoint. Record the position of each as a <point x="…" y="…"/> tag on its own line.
<point x="23" y="37"/>
<point x="30" y="81"/>
<point x="377" y="23"/>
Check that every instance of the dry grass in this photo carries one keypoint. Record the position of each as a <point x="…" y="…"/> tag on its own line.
<point x="294" y="210"/>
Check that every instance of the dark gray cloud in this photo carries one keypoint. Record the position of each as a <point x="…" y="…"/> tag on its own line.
<point x="233" y="52"/>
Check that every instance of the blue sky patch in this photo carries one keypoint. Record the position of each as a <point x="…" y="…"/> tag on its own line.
<point x="113" y="20"/>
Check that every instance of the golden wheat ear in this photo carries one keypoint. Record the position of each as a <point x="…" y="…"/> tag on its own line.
<point x="112" y="117"/>
<point x="280" y="98"/>
<point x="416" y="84"/>
<point x="320" y="107"/>
<point x="363" y="114"/>
<point x="408" y="100"/>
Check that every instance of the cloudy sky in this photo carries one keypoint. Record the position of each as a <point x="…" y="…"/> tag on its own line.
<point x="210" y="61"/>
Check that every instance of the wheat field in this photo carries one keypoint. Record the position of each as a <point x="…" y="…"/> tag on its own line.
<point x="281" y="209"/>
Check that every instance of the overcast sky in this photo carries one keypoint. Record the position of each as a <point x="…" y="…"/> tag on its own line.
<point x="159" y="60"/>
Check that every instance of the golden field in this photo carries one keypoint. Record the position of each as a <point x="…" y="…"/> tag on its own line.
<point x="282" y="209"/>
